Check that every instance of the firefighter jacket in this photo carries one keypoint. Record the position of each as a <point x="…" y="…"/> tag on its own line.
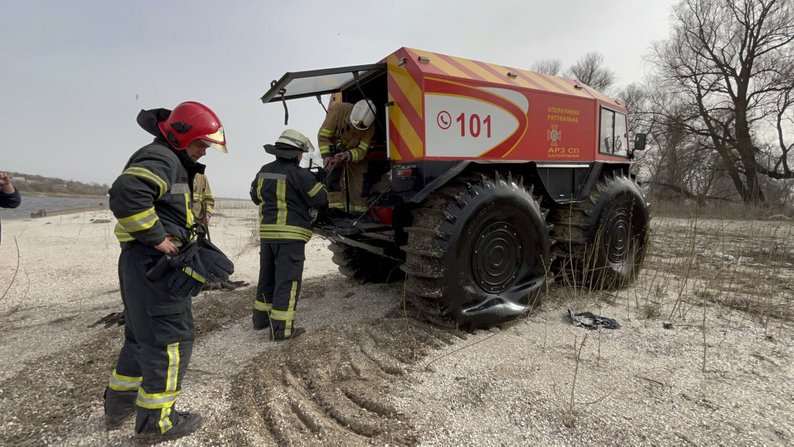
<point x="152" y="196"/>
<point x="337" y="131"/>
<point x="203" y="202"/>
<point x="10" y="200"/>
<point x="285" y="192"/>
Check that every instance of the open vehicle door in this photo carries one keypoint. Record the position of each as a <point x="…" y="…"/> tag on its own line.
<point x="302" y="84"/>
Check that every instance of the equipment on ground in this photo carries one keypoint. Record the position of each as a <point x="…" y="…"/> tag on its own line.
<point x="498" y="180"/>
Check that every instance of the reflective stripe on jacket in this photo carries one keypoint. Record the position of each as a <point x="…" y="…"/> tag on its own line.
<point x="285" y="192"/>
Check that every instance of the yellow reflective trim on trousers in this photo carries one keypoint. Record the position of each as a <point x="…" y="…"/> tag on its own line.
<point x="293" y="297"/>
<point x="317" y="188"/>
<point x="155" y="401"/>
<point x="119" y="382"/>
<point x="194" y="274"/>
<point x="122" y="235"/>
<point x="290" y="309"/>
<point x="149" y="175"/>
<point x="339" y="205"/>
<point x="281" y="202"/>
<point x="165" y="421"/>
<point x="282" y="315"/>
<point x="262" y="306"/>
<point x="173" y="367"/>
<point x="140" y="221"/>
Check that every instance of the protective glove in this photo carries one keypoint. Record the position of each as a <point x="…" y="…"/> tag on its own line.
<point x="319" y="174"/>
<point x="212" y="264"/>
<point x="343" y="157"/>
<point x="186" y="282"/>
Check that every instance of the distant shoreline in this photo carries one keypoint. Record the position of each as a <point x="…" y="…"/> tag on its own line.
<point x="56" y="194"/>
<point x="51" y="203"/>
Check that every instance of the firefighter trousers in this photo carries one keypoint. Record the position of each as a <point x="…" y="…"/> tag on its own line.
<point x="158" y="340"/>
<point x="280" y="273"/>
<point x="355" y="179"/>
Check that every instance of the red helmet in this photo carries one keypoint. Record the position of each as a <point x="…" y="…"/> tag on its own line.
<point x="192" y="121"/>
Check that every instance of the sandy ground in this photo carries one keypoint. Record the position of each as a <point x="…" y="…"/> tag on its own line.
<point x="703" y="356"/>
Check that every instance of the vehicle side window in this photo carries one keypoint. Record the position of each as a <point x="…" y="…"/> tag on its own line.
<point x="613" y="135"/>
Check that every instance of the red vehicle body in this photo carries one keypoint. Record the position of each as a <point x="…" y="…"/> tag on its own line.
<point x="447" y="108"/>
<point x="484" y="181"/>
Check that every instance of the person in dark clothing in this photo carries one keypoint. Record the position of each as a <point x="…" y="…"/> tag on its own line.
<point x="9" y="195"/>
<point x="285" y="193"/>
<point x="152" y="200"/>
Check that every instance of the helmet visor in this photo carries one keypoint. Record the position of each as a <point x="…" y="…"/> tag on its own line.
<point x="216" y="141"/>
<point x="217" y="147"/>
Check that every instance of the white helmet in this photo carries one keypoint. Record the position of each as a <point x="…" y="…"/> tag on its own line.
<point x="363" y="114"/>
<point x="295" y="139"/>
<point x="289" y="145"/>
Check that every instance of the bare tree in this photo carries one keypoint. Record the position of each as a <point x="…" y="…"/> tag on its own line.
<point x="590" y="70"/>
<point x="727" y="64"/>
<point x="548" y="66"/>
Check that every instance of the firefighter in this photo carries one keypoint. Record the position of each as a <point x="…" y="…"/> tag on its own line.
<point x="285" y="193"/>
<point x="203" y="201"/>
<point x="344" y="140"/>
<point x="151" y="200"/>
<point x="9" y="194"/>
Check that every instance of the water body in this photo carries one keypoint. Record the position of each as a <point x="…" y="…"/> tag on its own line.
<point x="32" y="204"/>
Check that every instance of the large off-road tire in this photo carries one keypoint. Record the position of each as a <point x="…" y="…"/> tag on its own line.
<point x="477" y="252"/>
<point x="364" y="266"/>
<point x="601" y="241"/>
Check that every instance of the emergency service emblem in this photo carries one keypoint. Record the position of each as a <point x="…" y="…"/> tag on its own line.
<point x="554" y="135"/>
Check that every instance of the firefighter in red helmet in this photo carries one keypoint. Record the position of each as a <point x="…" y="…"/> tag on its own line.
<point x="163" y="263"/>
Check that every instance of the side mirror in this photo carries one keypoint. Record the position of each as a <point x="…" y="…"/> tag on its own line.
<point x="639" y="141"/>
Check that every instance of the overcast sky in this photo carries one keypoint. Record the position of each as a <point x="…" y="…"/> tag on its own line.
<point x="75" y="73"/>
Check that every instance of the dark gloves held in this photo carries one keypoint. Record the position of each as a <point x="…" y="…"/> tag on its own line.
<point x="207" y="264"/>
<point x="212" y="265"/>
<point x="186" y="282"/>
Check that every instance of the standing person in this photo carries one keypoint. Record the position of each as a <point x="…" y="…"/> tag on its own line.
<point x="284" y="192"/>
<point x="203" y="201"/>
<point x="9" y="195"/>
<point x="151" y="200"/>
<point x="344" y="140"/>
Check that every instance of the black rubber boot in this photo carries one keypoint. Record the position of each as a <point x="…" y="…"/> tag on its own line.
<point x="119" y="406"/>
<point x="260" y="320"/>
<point x="182" y="424"/>
<point x="279" y="335"/>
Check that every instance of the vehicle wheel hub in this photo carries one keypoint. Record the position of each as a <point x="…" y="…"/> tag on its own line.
<point x="617" y="238"/>
<point x="496" y="257"/>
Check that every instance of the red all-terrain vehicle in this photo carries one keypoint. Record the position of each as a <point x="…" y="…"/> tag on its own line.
<point x="484" y="182"/>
